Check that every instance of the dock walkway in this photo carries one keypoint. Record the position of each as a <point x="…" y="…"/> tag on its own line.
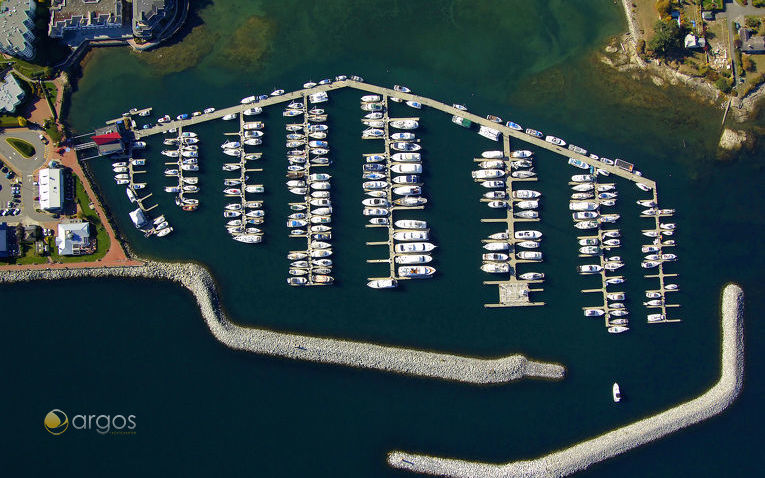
<point x="388" y="92"/>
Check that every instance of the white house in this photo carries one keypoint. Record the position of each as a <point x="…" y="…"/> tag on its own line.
<point x="51" y="189"/>
<point x="73" y="238"/>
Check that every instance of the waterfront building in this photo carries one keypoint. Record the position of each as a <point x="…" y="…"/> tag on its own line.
<point x="109" y="140"/>
<point x="75" y="21"/>
<point x="150" y="16"/>
<point x="73" y="238"/>
<point x="5" y="248"/>
<point x="51" y="189"/>
<point x="11" y="94"/>
<point x="17" y="24"/>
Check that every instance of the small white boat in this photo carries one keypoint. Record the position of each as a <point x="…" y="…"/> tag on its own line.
<point x="522" y="154"/>
<point x="528" y="235"/>
<point x="589" y="269"/>
<point x="617" y="394"/>
<point x="229" y="117"/>
<point x="253" y="111"/>
<point x="414" y="104"/>
<point x="370" y="98"/>
<point x="554" y="140"/>
<point x="617" y="329"/>
<point x="416" y="272"/>
<point x="594" y="312"/>
<point x="496" y="267"/>
<point x="532" y="276"/>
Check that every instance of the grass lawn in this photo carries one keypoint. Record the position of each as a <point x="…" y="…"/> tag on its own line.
<point x="30" y="70"/>
<point x="25" y="149"/>
<point x="28" y="256"/>
<point x="646" y="17"/>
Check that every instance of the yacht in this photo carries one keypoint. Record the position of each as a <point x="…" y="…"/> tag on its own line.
<point x="528" y="214"/>
<point x="582" y="206"/>
<point x="411" y="224"/>
<point x="656" y="318"/>
<point x="578" y="163"/>
<point x="493" y="184"/>
<point x="529" y="255"/>
<point x="496" y="267"/>
<point x="671" y="286"/>
<point x="489" y="133"/>
<point x="406" y="136"/>
<point x="404" y="146"/>
<point x="379" y="221"/>
<point x="526" y="194"/>
<point x="589" y="250"/>
<point x="493" y="118"/>
<point x="612" y="233"/>
<point x="615" y="296"/>
<point x="580" y="196"/>
<point x="413" y="247"/>
<point x="554" y="140"/>
<point x="594" y="312"/>
<point x="589" y="241"/>
<point x="409" y="179"/>
<point x="520" y="163"/>
<point x="497" y="204"/>
<point x="370" y="98"/>
<point x="410" y="201"/>
<point x="612" y="242"/>
<point x="521" y="154"/>
<point x="407" y="190"/>
<point x="460" y="107"/>
<point x="579" y="150"/>
<point x="253" y="111"/>
<point x="416" y="272"/>
<point x="492" y="164"/>
<point x="382" y="284"/>
<point x="522" y="174"/>
<point x="495" y="195"/>
<point x="584" y="215"/>
<point x="414" y="104"/>
<point x="614" y="280"/>
<point x="413" y="259"/>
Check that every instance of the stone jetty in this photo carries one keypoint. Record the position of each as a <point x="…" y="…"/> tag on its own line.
<point x="412" y="362"/>
<point x="589" y="452"/>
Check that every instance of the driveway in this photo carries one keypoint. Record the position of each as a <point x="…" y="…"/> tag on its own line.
<point x="24" y="169"/>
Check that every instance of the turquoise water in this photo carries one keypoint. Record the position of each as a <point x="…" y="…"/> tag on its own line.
<point x="199" y="404"/>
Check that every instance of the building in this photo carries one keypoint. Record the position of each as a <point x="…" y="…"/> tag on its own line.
<point x="75" y="21"/>
<point x="751" y="43"/>
<point x="11" y="94"/>
<point x="50" y="183"/>
<point x="692" y="41"/>
<point x="151" y="16"/>
<point x="73" y="239"/>
<point x="5" y="246"/>
<point x="17" y="28"/>
<point x="109" y="140"/>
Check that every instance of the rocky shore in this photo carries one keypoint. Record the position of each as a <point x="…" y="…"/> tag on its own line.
<point x="418" y="363"/>
<point x="587" y="453"/>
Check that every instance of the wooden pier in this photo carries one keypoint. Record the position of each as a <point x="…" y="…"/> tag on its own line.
<point x="391" y="260"/>
<point x="513" y="292"/>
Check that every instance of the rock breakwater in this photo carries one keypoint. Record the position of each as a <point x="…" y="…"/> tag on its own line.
<point x="418" y="363"/>
<point x="587" y="453"/>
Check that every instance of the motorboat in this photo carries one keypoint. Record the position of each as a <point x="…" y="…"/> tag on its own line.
<point x="617" y="394"/>
<point x="492" y="164"/>
<point x="375" y="211"/>
<point x="406" y="168"/>
<point x="583" y="206"/>
<point x="495" y="257"/>
<point x="528" y="235"/>
<point x="379" y="221"/>
<point x="614" y="280"/>
<point x="529" y="255"/>
<point x="514" y="126"/>
<point x="496" y="246"/>
<point x="404" y="124"/>
<point x="580" y="196"/>
<point x="406" y="136"/>
<point x="495" y="119"/>
<point x="374" y="176"/>
<point x="578" y="163"/>
<point x="405" y="157"/>
<point x="520" y="163"/>
<point x="528" y="204"/>
<point x="405" y="146"/>
<point x="407" y="190"/>
<point x="417" y="235"/>
<point x="617" y="329"/>
<point x="615" y="296"/>
<point x="589" y="241"/>
<point x="584" y="215"/>
<point x="497" y="204"/>
<point x="410" y="201"/>
<point x="252" y="111"/>
<point x="494" y="154"/>
<point x="370" y="98"/>
<point x="493" y="184"/>
<point x="495" y="195"/>
<point x="411" y="224"/>
<point x="589" y="269"/>
<point x="589" y="250"/>
<point x="594" y="312"/>
<point x="408" y="179"/>
<point x="488" y="173"/>
<point x="527" y="214"/>
<point x="460" y="107"/>
<point x="612" y="233"/>
<point x="526" y="194"/>
<point x="414" y="104"/>
<point x="532" y="276"/>
<point x="649" y="264"/>
<point x="653" y="318"/>
<point x="523" y="174"/>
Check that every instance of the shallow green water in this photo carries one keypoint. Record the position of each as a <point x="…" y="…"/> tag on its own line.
<point x="151" y="354"/>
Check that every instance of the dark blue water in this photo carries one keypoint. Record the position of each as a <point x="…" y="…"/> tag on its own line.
<point x="132" y="347"/>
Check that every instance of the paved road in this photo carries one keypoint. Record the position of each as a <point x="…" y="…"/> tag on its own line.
<point x="736" y="13"/>
<point x="24" y="169"/>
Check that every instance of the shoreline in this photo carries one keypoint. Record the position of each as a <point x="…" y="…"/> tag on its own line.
<point x="589" y="452"/>
<point x="399" y="360"/>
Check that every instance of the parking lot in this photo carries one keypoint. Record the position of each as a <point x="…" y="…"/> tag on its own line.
<point x="21" y="171"/>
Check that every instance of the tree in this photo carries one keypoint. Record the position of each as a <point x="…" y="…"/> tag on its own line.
<point x="723" y="84"/>
<point x="22" y="121"/>
<point x="663" y="8"/>
<point x="667" y="38"/>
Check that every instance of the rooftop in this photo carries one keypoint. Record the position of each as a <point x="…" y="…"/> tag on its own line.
<point x="79" y="20"/>
<point x="11" y="94"/>
<point x="4" y="251"/>
<point x="73" y="238"/>
<point x="17" y="28"/>
<point x="751" y="43"/>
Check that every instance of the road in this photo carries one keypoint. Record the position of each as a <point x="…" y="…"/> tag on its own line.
<point x="736" y="13"/>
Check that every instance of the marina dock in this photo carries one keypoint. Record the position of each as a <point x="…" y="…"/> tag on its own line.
<point x="513" y="292"/>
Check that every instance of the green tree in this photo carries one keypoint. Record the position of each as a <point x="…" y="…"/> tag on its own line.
<point x="668" y="38"/>
<point x="723" y="84"/>
<point x="747" y="63"/>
